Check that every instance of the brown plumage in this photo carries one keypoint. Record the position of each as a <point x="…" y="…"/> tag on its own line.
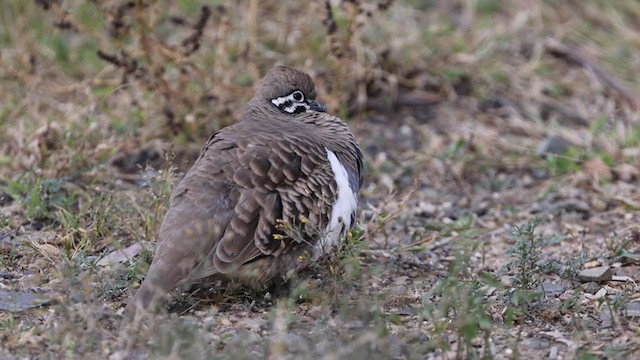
<point x="274" y="164"/>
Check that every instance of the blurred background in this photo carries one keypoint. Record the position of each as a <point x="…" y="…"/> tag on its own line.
<point x="479" y="120"/>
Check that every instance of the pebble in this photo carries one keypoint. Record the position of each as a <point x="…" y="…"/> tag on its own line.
<point x="633" y="309"/>
<point x="599" y="274"/>
<point x="591" y="287"/>
<point x="553" y="144"/>
<point x="551" y="289"/>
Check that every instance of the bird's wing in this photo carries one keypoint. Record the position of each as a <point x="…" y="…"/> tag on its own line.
<point x="273" y="181"/>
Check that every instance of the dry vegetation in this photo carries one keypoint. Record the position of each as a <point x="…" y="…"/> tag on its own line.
<point x="502" y="144"/>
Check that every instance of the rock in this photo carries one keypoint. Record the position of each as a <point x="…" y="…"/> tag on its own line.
<point x="507" y="281"/>
<point x="551" y="289"/>
<point x="536" y="343"/>
<point x="354" y="325"/>
<point x="5" y="198"/>
<point x="17" y="301"/>
<point x="122" y="255"/>
<point x="255" y="324"/>
<point x="605" y="320"/>
<point x="629" y="258"/>
<point x="405" y="311"/>
<point x="591" y="287"/>
<point x="632" y="309"/>
<point x="572" y="205"/>
<point x="598" y="295"/>
<point x="598" y="204"/>
<point x="592" y="264"/>
<point x="599" y="274"/>
<point x="553" y="144"/>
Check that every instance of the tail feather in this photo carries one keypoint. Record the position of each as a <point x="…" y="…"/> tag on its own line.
<point x="181" y="248"/>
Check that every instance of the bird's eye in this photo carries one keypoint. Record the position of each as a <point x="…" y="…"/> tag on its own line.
<point x="297" y="96"/>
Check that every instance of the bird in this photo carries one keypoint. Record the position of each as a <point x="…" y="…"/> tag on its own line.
<point x="285" y="164"/>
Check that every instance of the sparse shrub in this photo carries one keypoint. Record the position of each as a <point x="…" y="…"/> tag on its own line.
<point x="526" y="255"/>
<point x="457" y="303"/>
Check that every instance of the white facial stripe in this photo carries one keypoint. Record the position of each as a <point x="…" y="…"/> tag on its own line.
<point x="293" y="106"/>
<point x="281" y="100"/>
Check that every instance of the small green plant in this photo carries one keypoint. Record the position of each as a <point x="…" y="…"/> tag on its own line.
<point x="526" y="268"/>
<point x="5" y="221"/>
<point x="526" y="254"/>
<point x="566" y="163"/>
<point x="41" y="197"/>
<point x="339" y="270"/>
<point x="151" y="211"/>
<point x="139" y="268"/>
<point x="457" y="304"/>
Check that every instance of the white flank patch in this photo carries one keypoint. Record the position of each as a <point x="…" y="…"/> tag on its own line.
<point x="345" y="205"/>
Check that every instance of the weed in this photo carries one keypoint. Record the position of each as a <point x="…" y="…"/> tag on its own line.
<point x="41" y="198"/>
<point x="457" y="303"/>
<point x="526" y="254"/>
<point x="563" y="164"/>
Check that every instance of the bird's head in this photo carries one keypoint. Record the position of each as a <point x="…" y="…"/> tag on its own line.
<point x="289" y="90"/>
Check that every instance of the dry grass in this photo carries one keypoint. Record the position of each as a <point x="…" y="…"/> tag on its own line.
<point x="104" y="104"/>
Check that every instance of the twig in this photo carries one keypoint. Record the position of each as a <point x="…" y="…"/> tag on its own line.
<point x="192" y="43"/>
<point x="572" y="55"/>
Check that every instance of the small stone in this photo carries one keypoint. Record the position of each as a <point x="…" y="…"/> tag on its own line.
<point x="416" y="336"/>
<point x="354" y="325"/>
<point x="405" y="311"/>
<point x="551" y="289"/>
<point x="599" y="274"/>
<point x="598" y="204"/>
<point x="253" y="324"/>
<point x="553" y="145"/>
<point x="629" y="258"/>
<point x="123" y="255"/>
<point x="18" y="301"/>
<point x="591" y="287"/>
<point x="632" y="309"/>
<point x="605" y="320"/>
<point x="572" y="205"/>
<point x="598" y="295"/>
<point x="536" y="343"/>
<point x="592" y="264"/>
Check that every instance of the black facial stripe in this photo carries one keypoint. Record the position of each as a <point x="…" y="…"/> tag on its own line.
<point x="299" y="109"/>
<point x="289" y="105"/>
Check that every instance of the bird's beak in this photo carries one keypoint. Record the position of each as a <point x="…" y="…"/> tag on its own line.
<point x="316" y="106"/>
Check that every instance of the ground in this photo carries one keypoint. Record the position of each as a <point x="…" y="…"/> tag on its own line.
<point x="499" y="211"/>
